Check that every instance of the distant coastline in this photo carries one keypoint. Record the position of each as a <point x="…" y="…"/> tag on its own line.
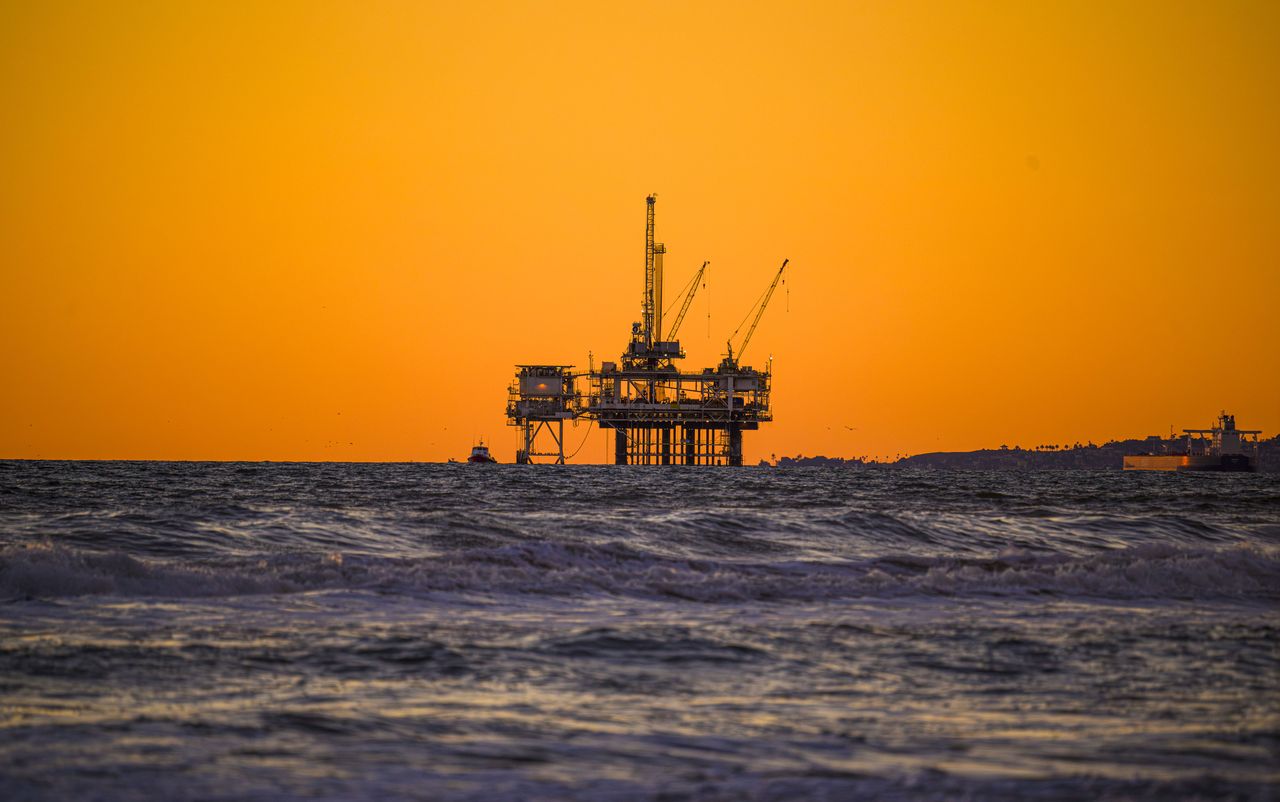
<point x="1077" y="457"/>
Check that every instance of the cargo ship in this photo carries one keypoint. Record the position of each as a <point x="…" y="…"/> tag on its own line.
<point x="1222" y="448"/>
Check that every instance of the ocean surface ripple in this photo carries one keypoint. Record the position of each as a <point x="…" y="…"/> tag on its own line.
<point x="412" y="631"/>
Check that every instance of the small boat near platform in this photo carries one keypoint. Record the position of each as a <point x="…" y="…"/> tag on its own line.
<point x="480" y="455"/>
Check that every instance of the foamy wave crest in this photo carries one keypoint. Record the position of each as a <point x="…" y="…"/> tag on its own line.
<point x="543" y="568"/>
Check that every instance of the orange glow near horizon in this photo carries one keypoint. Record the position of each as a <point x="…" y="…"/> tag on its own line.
<point x="329" y="231"/>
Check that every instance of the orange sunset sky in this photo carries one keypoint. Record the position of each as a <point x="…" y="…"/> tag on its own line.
<point x="325" y="230"/>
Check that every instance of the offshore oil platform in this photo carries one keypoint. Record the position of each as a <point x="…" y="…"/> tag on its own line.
<point x="659" y="414"/>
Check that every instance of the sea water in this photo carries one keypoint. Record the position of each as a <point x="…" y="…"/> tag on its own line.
<point x="409" y="631"/>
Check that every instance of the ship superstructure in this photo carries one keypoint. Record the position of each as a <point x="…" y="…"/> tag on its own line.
<point x="658" y="413"/>
<point x="1220" y="448"/>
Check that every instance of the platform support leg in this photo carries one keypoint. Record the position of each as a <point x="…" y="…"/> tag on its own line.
<point x="619" y="447"/>
<point x="735" y="446"/>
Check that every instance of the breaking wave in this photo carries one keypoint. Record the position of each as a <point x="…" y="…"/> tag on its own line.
<point x="1150" y="571"/>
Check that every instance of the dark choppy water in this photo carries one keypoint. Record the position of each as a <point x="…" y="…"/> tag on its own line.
<point x="246" y="631"/>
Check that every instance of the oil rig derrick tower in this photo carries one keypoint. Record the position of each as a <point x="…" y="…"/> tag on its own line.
<point x="659" y="414"/>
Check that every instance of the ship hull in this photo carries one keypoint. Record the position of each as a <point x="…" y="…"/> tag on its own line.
<point x="1230" y="463"/>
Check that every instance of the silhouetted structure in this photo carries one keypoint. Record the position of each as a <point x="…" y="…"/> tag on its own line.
<point x="660" y="415"/>
<point x="542" y="399"/>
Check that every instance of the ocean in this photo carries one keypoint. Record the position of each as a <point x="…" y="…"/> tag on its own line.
<point x="255" y="631"/>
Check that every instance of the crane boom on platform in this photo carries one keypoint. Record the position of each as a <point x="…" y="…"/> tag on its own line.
<point x="688" y="299"/>
<point x="764" y="302"/>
